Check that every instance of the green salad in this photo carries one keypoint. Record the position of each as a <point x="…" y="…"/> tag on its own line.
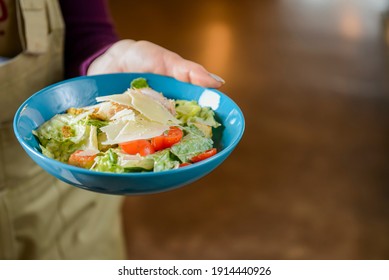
<point x="139" y="130"/>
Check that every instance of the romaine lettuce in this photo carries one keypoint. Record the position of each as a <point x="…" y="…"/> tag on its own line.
<point x="134" y="163"/>
<point x="164" y="160"/>
<point x="107" y="162"/>
<point x="139" y="83"/>
<point x="60" y="137"/>
<point x="191" y="145"/>
<point x="191" y="112"/>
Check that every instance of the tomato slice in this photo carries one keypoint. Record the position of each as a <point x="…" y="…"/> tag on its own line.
<point x="184" y="164"/>
<point x="166" y="140"/>
<point x="158" y="143"/>
<point x="81" y="161"/>
<point x="204" y="155"/>
<point x="142" y="147"/>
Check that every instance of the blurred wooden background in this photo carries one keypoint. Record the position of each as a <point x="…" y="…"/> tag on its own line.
<point x="310" y="177"/>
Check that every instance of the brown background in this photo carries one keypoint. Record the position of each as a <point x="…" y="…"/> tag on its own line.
<point x="310" y="178"/>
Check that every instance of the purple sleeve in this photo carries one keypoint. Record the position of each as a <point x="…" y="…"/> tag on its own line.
<point x="89" y="32"/>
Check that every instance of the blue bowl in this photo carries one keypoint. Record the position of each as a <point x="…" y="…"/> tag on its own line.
<point x="82" y="91"/>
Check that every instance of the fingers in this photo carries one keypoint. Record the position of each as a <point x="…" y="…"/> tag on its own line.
<point x="188" y="71"/>
<point x="144" y="56"/>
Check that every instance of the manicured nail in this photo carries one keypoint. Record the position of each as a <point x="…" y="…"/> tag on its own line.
<point x="217" y="78"/>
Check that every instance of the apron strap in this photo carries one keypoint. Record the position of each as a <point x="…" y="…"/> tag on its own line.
<point x="55" y="16"/>
<point x="34" y="26"/>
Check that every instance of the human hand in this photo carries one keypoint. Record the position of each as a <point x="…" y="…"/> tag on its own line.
<point x="143" y="56"/>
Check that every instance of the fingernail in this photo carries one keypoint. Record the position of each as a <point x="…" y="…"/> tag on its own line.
<point x="217" y="78"/>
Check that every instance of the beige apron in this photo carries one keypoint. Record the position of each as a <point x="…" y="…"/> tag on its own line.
<point x="40" y="217"/>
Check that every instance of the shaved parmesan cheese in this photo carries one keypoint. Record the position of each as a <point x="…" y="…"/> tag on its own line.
<point x="121" y="132"/>
<point x="167" y="103"/>
<point x="123" y="98"/>
<point x="112" y="130"/>
<point x="104" y="110"/>
<point x="124" y="115"/>
<point x="127" y="125"/>
<point x="151" y="109"/>
<point x="91" y="147"/>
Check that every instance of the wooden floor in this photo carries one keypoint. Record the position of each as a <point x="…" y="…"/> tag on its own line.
<point x="310" y="179"/>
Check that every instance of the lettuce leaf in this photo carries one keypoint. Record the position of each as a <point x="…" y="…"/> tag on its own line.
<point x="164" y="160"/>
<point x="59" y="150"/>
<point x="191" y="112"/>
<point x="134" y="163"/>
<point x="108" y="162"/>
<point x="139" y="83"/>
<point x="59" y="137"/>
<point x="191" y="145"/>
<point x="95" y="122"/>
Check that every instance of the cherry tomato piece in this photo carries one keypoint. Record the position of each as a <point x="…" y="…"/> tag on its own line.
<point x="166" y="140"/>
<point x="184" y="164"/>
<point x="204" y="155"/>
<point x="142" y="147"/>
